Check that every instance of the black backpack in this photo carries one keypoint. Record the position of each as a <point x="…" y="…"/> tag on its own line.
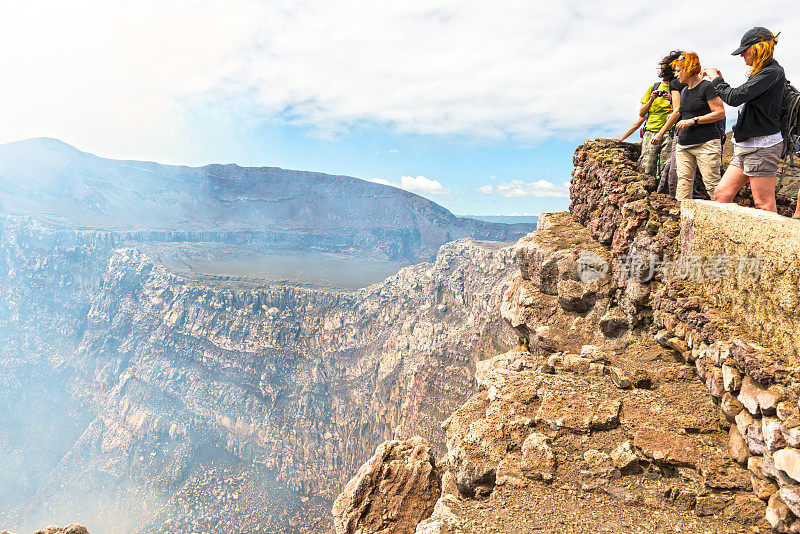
<point x="790" y="120"/>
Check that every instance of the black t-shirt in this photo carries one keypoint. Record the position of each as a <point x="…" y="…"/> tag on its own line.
<point x="694" y="103"/>
<point x="675" y="85"/>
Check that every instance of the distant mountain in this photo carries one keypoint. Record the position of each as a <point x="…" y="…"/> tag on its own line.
<point x="506" y="219"/>
<point x="60" y="184"/>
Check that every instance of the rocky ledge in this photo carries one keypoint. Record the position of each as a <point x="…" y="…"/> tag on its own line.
<point x="596" y="421"/>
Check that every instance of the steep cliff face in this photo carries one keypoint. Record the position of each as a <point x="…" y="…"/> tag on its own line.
<point x="222" y="402"/>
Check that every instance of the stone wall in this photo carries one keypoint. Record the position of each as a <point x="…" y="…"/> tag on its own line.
<point x="757" y="281"/>
<point x="618" y="205"/>
<point x="723" y="296"/>
<point x="739" y="328"/>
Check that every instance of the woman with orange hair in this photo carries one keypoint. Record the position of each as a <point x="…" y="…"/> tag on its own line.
<point x="757" y="139"/>
<point x="699" y="144"/>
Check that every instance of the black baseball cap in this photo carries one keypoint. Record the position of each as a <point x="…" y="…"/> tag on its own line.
<point x="751" y="37"/>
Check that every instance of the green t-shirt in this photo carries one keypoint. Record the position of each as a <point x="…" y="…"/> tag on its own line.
<point x="659" y="110"/>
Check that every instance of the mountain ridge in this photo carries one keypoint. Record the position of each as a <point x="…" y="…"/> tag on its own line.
<point x="58" y="183"/>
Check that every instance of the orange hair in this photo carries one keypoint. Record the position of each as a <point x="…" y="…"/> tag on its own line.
<point x="689" y="62"/>
<point x="762" y="54"/>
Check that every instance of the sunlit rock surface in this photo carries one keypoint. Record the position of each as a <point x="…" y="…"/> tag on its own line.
<point x="596" y="421"/>
<point x="392" y="492"/>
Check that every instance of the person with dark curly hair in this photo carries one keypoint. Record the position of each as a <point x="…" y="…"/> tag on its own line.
<point x="669" y="171"/>
<point x="656" y="105"/>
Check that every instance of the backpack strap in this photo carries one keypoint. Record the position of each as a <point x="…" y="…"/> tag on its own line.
<point x="655" y="86"/>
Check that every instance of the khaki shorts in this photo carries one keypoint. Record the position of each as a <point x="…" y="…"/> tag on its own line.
<point x="758" y="161"/>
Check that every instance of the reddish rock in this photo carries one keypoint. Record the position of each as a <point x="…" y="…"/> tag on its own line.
<point x="762" y="487"/>
<point x="702" y="372"/>
<point x="778" y="514"/>
<point x="737" y="446"/>
<point x="756" y="362"/>
<point x="748" y="395"/>
<point x="667" y="447"/>
<point x="730" y="407"/>
<point x="768" y="400"/>
<point x="791" y="432"/>
<point x="669" y="322"/>
<point x="755" y="438"/>
<point x="790" y="495"/>
<point x="392" y="492"/>
<point x="771" y="429"/>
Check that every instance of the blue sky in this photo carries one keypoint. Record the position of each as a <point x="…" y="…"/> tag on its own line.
<point x="461" y="166"/>
<point x="476" y="105"/>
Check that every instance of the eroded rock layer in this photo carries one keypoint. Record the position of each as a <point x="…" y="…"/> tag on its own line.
<point x="172" y="403"/>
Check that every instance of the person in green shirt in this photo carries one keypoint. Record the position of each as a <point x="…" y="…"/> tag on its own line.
<point x="656" y="106"/>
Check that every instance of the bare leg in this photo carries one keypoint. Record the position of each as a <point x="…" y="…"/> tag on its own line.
<point x="797" y="209"/>
<point x="764" y="192"/>
<point x="733" y="180"/>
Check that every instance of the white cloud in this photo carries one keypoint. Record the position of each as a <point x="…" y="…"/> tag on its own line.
<point x="106" y="74"/>
<point x="420" y="185"/>
<point x="520" y="189"/>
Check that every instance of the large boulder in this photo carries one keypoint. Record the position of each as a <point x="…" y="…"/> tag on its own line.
<point x="392" y="492"/>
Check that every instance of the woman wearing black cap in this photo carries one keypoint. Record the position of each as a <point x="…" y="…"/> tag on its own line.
<point x="757" y="135"/>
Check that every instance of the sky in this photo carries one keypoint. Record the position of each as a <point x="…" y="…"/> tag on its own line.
<point x="476" y="105"/>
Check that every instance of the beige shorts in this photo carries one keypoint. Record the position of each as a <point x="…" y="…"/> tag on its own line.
<point x="758" y="161"/>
